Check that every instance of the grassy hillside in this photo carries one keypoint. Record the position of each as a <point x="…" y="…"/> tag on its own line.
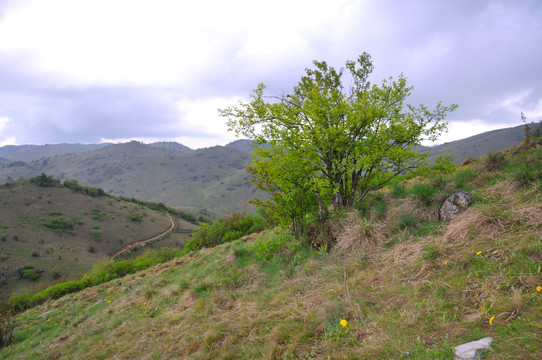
<point x="404" y="284"/>
<point x="61" y="234"/>
<point x="213" y="178"/>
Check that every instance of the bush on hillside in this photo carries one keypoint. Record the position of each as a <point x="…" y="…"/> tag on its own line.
<point x="44" y="181"/>
<point x="224" y="230"/>
<point x="6" y="329"/>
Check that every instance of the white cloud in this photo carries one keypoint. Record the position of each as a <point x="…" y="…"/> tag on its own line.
<point x="458" y="130"/>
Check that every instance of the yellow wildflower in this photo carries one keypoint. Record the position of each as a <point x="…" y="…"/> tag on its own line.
<point x="491" y="320"/>
<point x="109" y="301"/>
<point x="145" y="303"/>
<point x="31" y="342"/>
<point x="344" y="323"/>
<point x="445" y="263"/>
<point x="478" y="253"/>
<point x="539" y="288"/>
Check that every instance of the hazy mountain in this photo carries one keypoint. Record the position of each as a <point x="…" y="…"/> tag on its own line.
<point x="29" y="153"/>
<point x="171" y="145"/>
<point x="212" y="178"/>
<point x="478" y="145"/>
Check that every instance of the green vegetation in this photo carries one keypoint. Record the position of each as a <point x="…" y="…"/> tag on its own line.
<point x="328" y="144"/>
<point x="224" y="230"/>
<point x="381" y="292"/>
<point x="61" y="224"/>
<point x="44" y="180"/>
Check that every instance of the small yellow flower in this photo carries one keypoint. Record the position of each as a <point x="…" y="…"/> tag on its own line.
<point x="491" y="320"/>
<point x="445" y="263"/>
<point x="48" y="320"/>
<point x="478" y="253"/>
<point x="109" y="301"/>
<point x="344" y="323"/>
<point x="31" y="342"/>
<point x="539" y="288"/>
<point x="145" y="303"/>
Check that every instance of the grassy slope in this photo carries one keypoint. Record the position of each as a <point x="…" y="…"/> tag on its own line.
<point x="407" y="291"/>
<point x="26" y="241"/>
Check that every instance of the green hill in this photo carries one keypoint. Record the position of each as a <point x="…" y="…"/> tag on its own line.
<point x="59" y="234"/>
<point x="398" y="284"/>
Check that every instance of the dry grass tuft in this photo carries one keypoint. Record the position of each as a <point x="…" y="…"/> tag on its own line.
<point x="505" y="188"/>
<point x="361" y="233"/>
<point x="472" y="222"/>
<point x="531" y="216"/>
<point x="403" y="254"/>
<point x="412" y="207"/>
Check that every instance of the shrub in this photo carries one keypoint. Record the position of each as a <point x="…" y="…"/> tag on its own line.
<point x="270" y="243"/>
<point x="30" y="274"/>
<point x="189" y="216"/>
<point x="494" y="161"/>
<point x="60" y="224"/>
<point x="44" y="180"/>
<point x="96" y="232"/>
<point x="135" y="216"/>
<point x="98" y="214"/>
<point x="426" y="193"/>
<point x="6" y="329"/>
<point x="224" y="230"/>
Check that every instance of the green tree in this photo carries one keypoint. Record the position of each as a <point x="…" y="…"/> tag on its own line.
<point x="329" y="144"/>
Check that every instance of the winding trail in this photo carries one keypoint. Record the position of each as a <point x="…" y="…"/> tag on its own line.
<point x="144" y="241"/>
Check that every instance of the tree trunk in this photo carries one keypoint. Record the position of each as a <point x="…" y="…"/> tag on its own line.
<point x="322" y="209"/>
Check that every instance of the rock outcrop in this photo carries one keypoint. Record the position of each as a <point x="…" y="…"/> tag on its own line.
<point x="471" y="350"/>
<point x="458" y="202"/>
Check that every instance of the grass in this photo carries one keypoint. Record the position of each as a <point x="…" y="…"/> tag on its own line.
<point x="53" y="229"/>
<point x="270" y="298"/>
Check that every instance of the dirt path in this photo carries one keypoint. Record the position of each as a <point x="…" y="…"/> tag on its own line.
<point x="144" y="241"/>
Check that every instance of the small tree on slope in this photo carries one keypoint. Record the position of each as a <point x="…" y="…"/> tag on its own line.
<point x="329" y="144"/>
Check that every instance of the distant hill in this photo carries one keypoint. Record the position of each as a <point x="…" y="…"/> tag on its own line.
<point x="242" y="145"/>
<point x="212" y="178"/>
<point x="171" y="145"/>
<point x="29" y="153"/>
<point x="478" y="145"/>
<point x="64" y="233"/>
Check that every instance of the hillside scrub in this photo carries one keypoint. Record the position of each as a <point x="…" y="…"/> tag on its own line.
<point x="224" y="230"/>
<point x="101" y="273"/>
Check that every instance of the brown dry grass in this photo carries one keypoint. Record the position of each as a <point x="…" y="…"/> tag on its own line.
<point x="412" y="207"/>
<point x="472" y="221"/>
<point x="361" y="233"/>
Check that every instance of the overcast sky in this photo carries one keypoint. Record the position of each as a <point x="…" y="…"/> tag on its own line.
<point x="89" y="71"/>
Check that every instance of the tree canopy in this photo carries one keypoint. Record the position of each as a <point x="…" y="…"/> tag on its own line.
<point x="330" y="144"/>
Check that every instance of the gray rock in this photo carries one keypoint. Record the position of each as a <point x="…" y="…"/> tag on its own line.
<point x="46" y="313"/>
<point x="458" y="202"/>
<point x="471" y="350"/>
